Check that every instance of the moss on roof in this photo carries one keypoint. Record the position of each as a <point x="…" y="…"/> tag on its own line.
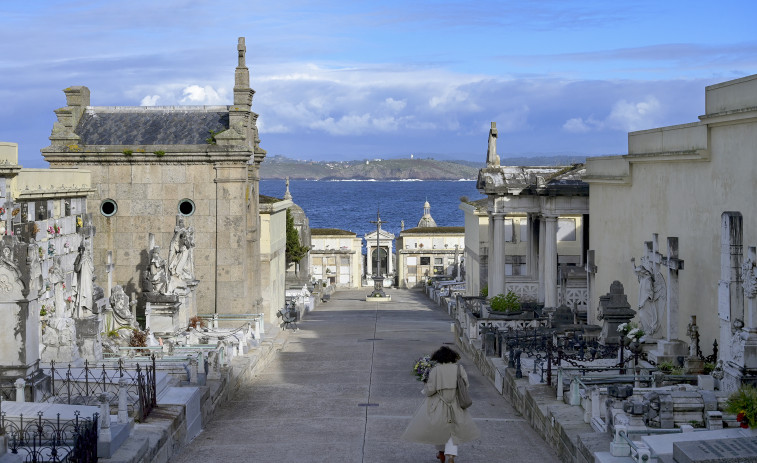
<point x="330" y="231"/>
<point x="432" y="230"/>
<point x="268" y="199"/>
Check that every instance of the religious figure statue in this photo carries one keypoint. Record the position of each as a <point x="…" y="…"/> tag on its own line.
<point x="181" y="256"/>
<point x="492" y="159"/>
<point x="157" y="273"/>
<point x="119" y="302"/>
<point x="84" y="271"/>
<point x="651" y="296"/>
<point x="57" y="278"/>
<point x="36" y="284"/>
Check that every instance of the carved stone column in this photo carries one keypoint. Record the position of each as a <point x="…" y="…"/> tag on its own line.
<point x="542" y="236"/>
<point x="550" y="262"/>
<point x="497" y="260"/>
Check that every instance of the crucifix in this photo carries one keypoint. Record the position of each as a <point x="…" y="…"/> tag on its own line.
<point x="109" y="266"/>
<point x="673" y="264"/>
<point x="378" y="280"/>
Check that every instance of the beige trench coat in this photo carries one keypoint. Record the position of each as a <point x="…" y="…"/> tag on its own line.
<point x="440" y="417"/>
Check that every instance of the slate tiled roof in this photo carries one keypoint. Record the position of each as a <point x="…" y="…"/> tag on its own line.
<point x="150" y="125"/>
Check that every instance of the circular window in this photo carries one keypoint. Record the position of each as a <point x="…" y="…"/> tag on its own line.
<point x="108" y="207"/>
<point x="186" y="207"/>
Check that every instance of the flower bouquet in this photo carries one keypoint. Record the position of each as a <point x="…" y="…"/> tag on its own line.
<point x="631" y="330"/>
<point x="422" y="368"/>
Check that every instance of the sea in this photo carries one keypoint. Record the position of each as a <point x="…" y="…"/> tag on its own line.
<point x="353" y="204"/>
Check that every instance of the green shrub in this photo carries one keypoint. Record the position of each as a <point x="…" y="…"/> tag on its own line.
<point x="484" y="291"/>
<point x="507" y="304"/>
<point x="127" y="152"/>
<point x="708" y="367"/>
<point x="159" y="153"/>
<point x="743" y="404"/>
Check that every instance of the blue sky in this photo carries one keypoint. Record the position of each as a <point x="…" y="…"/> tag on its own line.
<point x="347" y="80"/>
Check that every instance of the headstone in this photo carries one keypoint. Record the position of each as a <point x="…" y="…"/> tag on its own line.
<point x="614" y="310"/>
<point x="735" y="450"/>
<point x="749" y="278"/>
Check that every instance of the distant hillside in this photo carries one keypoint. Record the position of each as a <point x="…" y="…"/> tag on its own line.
<point x="387" y="169"/>
<point x="279" y="167"/>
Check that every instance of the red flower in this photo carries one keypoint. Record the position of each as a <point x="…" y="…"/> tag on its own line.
<point x="744" y="424"/>
<point x="740" y="417"/>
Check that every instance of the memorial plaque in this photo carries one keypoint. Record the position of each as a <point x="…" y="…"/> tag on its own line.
<point x="743" y="449"/>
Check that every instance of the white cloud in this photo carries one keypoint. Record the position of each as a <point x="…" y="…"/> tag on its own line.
<point x="395" y="105"/>
<point x="629" y="116"/>
<point x="207" y="95"/>
<point x="149" y="100"/>
<point x="625" y="116"/>
<point x="576" y="125"/>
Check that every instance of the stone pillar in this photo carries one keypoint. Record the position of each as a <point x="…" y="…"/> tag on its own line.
<point x="532" y="249"/>
<point x="591" y="271"/>
<point x="550" y="262"/>
<point x="104" y="434"/>
<point x="489" y="255"/>
<point x="497" y="257"/>
<point x="389" y="260"/>
<point x="730" y="294"/>
<point x="369" y="260"/>
<point x="542" y="236"/>
<point x="20" y="385"/>
<point x="123" y="404"/>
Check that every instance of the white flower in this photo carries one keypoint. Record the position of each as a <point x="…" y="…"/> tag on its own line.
<point x="622" y="327"/>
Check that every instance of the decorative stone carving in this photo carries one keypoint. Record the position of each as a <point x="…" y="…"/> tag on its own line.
<point x="181" y="256"/>
<point x="56" y="278"/>
<point x="84" y="271"/>
<point x="749" y="278"/>
<point x="119" y="302"/>
<point x="157" y="273"/>
<point x="652" y="295"/>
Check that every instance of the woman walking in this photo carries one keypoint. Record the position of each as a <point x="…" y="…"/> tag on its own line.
<point x="440" y="420"/>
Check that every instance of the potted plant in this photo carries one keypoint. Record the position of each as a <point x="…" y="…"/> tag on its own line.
<point x="743" y="404"/>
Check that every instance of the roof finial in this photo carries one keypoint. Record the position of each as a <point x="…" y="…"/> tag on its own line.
<point x="242" y="49"/>
<point x="492" y="159"/>
<point x="287" y="194"/>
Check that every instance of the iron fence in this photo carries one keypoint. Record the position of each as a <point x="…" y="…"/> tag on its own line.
<point x="85" y="385"/>
<point x="47" y="440"/>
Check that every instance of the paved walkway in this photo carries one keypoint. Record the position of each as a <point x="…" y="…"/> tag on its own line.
<point x="342" y="390"/>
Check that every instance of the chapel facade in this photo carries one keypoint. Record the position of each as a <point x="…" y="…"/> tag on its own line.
<point x="151" y="167"/>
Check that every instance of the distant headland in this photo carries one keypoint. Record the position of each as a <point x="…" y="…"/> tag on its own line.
<point x="279" y="167"/>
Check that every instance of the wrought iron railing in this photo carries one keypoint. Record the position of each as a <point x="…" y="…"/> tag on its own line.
<point x="85" y="385"/>
<point x="52" y="440"/>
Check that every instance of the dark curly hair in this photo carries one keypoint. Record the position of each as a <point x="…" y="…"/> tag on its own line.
<point x="445" y="355"/>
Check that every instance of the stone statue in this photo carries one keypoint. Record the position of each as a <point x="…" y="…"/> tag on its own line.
<point x="84" y="271"/>
<point x="492" y="159"/>
<point x="157" y="273"/>
<point x="651" y="296"/>
<point x="119" y="301"/>
<point x="57" y="279"/>
<point x="181" y="256"/>
<point x="36" y="284"/>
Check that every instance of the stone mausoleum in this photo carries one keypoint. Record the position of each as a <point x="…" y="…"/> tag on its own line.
<point x="151" y="167"/>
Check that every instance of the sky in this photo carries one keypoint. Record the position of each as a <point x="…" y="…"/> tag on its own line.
<point x="338" y="80"/>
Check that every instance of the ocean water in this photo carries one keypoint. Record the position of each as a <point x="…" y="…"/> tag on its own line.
<point x="352" y="205"/>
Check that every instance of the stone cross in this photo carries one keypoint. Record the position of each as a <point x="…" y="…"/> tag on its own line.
<point x="591" y="271"/>
<point x="109" y="266"/>
<point x="674" y="264"/>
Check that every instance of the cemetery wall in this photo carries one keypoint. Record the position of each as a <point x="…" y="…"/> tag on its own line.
<point x="273" y="256"/>
<point x="677" y="181"/>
